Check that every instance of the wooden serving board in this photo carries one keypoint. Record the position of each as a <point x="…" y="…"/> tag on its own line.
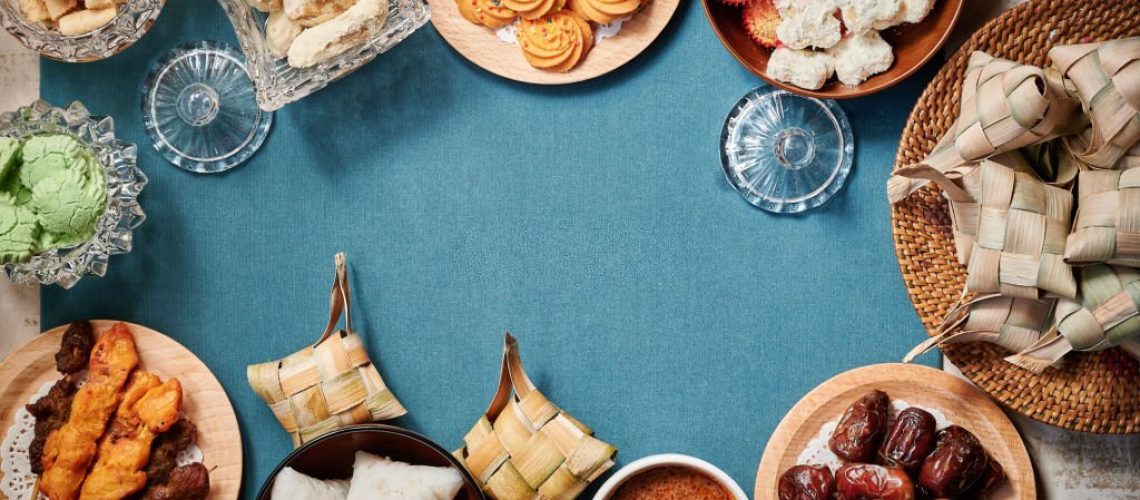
<point x="962" y="403"/>
<point x="483" y="47"/>
<point x="205" y="403"/>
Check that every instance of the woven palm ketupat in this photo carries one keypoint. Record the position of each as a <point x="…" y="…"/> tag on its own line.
<point x="1107" y="228"/>
<point x="525" y="447"/>
<point x="330" y="384"/>
<point x="1094" y="392"/>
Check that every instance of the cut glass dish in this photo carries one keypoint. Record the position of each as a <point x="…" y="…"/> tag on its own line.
<point x="278" y="84"/>
<point x="114" y="229"/>
<point x="133" y="20"/>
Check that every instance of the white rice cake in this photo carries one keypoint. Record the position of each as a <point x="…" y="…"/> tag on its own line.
<point x="375" y="478"/>
<point x="806" y="24"/>
<point x="862" y="16"/>
<point x="292" y="485"/>
<point x="807" y="69"/>
<point x="859" y="56"/>
<point x="280" y="31"/>
<point x="335" y="37"/>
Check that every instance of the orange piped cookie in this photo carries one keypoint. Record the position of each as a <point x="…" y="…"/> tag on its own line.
<point x="604" y="11"/>
<point x="556" y="42"/>
<point x="489" y="13"/>
<point x="760" y="21"/>
<point x="534" y="9"/>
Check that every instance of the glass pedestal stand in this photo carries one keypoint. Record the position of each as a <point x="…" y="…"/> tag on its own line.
<point x="200" y="110"/>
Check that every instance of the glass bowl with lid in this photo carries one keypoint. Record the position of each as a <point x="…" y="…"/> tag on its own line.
<point x="114" y="228"/>
<point x="131" y="21"/>
<point x="277" y="83"/>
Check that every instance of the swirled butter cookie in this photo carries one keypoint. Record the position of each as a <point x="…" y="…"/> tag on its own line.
<point x="556" y="42"/>
<point x="604" y="11"/>
<point x="489" y="13"/>
<point x="534" y="9"/>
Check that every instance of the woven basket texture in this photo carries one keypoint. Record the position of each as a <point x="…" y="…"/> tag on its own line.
<point x="1095" y="392"/>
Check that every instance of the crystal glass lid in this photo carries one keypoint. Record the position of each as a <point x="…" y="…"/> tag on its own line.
<point x="786" y="153"/>
<point x="200" y="110"/>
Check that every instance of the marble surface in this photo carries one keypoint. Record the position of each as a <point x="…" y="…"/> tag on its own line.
<point x="19" y="305"/>
<point x="1069" y="465"/>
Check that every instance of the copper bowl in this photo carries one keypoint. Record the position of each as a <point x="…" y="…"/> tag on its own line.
<point x="331" y="456"/>
<point x="914" y="44"/>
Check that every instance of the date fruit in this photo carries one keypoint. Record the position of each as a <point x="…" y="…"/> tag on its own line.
<point x="867" y="482"/>
<point x="957" y="462"/>
<point x="992" y="477"/>
<point x="909" y="439"/>
<point x="861" y="428"/>
<point x="807" y="482"/>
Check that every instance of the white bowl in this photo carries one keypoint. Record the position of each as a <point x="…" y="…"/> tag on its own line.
<point x="665" y="460"/>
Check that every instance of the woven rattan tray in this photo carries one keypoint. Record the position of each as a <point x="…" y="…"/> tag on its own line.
<point x="1093" y="392"/>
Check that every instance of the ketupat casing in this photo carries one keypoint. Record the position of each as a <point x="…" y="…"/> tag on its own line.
<point x="1107" y="227"/>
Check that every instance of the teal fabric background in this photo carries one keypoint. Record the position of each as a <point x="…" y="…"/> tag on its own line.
<point x="591" y="220"/>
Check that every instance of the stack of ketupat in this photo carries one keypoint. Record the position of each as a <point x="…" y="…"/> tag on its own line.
<point x="52" y="192"/>
<point x="1050" y="271"/>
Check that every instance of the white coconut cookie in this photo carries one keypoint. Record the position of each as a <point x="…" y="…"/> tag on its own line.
<point x="862" y="16"/>
<point x="280" y="31"/>
<point x="334" y="37"/>
<point x="859" y="56"/>
<point x="807" y="69"/>
<point x="808" y="24"/>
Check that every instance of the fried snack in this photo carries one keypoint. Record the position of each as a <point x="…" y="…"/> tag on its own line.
<point x="70" y="450"/>
<point x="187" y="482"/>
<point x="75" y="348"/>
<point x="313" y="12"/>
<point x="84" y="21"/>
<point x="51" y="412"/>
<point x="334" y="37"/>
<point x="148" y="408"/>
<point x="557" y="42"/>
<point x="164" y="455"/>
<point x="58" y="8"/>
<point x="34" y="10"/>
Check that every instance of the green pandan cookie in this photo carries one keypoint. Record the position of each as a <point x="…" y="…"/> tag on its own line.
<point x="44" y="155"/>
<point x="68" y="206"/>
<point x="19" y="233"/>
<point x="9" y="156"/>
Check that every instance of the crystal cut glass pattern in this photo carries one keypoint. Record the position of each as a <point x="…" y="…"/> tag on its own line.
<point x="114" y="230"/>
<point x="786" y="153"/>
<point x="134" y="19"/>
<point x="279" y="84"/>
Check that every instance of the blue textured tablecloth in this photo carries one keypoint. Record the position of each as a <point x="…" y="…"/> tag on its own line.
<point x="591" y="220"/>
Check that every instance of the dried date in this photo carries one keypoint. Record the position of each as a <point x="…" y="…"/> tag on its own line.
<point x="861" y="429"/>
<point x="909" y="439"/>
<point x="867" y="482"/>
<point x="807" y="482"/>
<point x="957" y="462"/>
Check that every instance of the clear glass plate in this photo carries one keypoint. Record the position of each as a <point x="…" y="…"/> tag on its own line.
<point x="786" y="153"/>
<point x="279" y="84"/>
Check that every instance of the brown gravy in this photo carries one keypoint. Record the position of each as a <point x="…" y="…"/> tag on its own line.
<point x="671" y="483"/>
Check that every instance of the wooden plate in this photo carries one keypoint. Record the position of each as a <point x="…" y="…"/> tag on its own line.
<point x="914" y="45"/>
<point x="962" y="403"/>
<point x="25" y="371"/>
<point x="482" y="47"/>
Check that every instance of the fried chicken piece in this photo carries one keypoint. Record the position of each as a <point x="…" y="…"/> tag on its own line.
<point x="148" y="409"/>
<point x="75" y="348"/>
<point x="51" y="412"/>
<point x="70" y="449"/>
<point x="166" y="449"/>
<point x="187" y="482"/>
